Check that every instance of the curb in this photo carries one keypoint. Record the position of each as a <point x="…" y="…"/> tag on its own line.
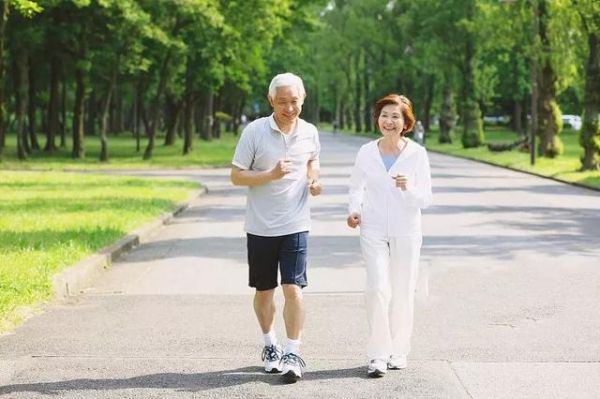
<point x="516" y="170"/>
<point x="73" y="280"/>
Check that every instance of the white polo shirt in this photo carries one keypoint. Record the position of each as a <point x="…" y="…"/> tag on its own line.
<point x="281" y="206"/>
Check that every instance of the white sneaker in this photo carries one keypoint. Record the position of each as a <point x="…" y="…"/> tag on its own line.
<point x="272" y="357"/>
<point x="292" y="367"/>
<point x="377" y="368"/>
<point x="396" y="362"/>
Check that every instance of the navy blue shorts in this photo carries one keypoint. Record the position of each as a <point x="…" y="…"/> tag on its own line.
<point x="286" y="253"/>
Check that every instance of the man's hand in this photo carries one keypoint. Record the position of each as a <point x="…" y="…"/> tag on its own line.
<point x="353" y="220"/>
<point x="315" y="188"/>
<point x="281" y="168"/>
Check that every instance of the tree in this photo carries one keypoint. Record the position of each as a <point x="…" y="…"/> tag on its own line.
<point x="24" y="7"/>
<point x="589" y="12"/>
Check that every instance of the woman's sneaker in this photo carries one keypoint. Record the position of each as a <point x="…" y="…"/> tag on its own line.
<point x="377" y="368"/>
<point x="292" y="367"/>
<point x="272" y="357"/>
<point x="396" y="362"/>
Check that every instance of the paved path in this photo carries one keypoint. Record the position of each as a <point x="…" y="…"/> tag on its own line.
<point x="506" y="308"/>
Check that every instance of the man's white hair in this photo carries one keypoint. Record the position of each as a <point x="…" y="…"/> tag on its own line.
<point x="287" y="79"/>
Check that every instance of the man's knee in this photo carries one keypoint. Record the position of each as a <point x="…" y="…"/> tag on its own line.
<point x="264" y="297"/>
<point x="292" y="292"/>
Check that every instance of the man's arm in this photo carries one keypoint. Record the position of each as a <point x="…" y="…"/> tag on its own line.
<point x="313" y="169"/>
<point x="242" y="177"/>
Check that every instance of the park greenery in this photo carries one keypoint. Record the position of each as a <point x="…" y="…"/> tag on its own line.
<point x="51" y="220"/>
<point x="175" y="71"/>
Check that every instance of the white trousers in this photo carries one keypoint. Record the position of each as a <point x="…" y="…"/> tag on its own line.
<point x="392" y="266"/>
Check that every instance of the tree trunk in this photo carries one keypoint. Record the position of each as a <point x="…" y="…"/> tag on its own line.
<point x="120" y="119"/>
<point x="172" y="112"/>
<point x="20" y="84"/>
<point x="188" y="118"/>
<point x="154" y="110"/>
<point x="428" y="101"/>
<point x="548" y="113"/>
<point x="367" y="94"/>
<point x="104" y="118"/>
<point x="447" y="115"/>
<point x="471" y="115"/>
<point x="517" y="117"/>
<point x="590" y="131"/>
<point x="207" y="121"/>
<point x="31" y="108"/>
<point x="216" y="126"/>
<point x="348" y="116"/>
<point x="78" y="113"/>
<point x="92" y="114"/>
<point x="63" y="111"/>
<point x="53" y="105"/>
<point x="3" y="19"/>
<point x="358" y="96"/>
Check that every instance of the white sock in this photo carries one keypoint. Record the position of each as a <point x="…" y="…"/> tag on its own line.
<point x="270" y="338"/>
<point x="292" y="346"/>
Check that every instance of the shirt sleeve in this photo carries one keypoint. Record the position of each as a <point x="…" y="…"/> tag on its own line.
<point x="357" y="185"/>
<point x="315" y="155"/>
<point x="243" y="157"/>
<point x="418" y="193"/>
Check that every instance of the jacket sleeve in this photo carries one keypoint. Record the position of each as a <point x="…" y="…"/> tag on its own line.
<point x="418" y="193"/>
<point x="357" y="185"/>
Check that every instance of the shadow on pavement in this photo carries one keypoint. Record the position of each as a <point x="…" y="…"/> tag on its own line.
<point x="178" y="381"/>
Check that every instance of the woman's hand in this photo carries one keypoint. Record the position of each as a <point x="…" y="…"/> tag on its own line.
<point x="353" y="220"/>
<point x="315" y="188"/>
<point x="401" y="181"/>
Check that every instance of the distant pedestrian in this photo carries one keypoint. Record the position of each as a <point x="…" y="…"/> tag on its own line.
<point x="389" y="185"/>
<point x="277" y="157"/>
<point x="335" y="125"/>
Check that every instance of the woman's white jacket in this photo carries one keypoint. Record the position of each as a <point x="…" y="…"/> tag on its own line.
<point x="386" y="210"/>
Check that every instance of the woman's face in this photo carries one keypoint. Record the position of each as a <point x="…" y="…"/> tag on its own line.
<point x="391" y="120"/>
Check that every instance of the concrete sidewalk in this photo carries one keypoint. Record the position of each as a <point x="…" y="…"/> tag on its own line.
<point x="507" y="302"/>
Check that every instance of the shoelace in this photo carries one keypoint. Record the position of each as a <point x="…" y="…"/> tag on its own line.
<point x="271" y="353"/>
<point x="292" y="359"/>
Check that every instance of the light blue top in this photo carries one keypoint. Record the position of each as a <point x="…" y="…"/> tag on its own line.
<point x="388" y="160"/>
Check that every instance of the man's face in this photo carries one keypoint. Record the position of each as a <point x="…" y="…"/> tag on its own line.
<point x="287" y="103"/>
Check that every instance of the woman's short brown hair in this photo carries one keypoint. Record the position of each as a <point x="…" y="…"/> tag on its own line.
<point x="405" y="106"/>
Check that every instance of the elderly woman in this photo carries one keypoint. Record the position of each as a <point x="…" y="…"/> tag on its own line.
<point x="390" y="184"/>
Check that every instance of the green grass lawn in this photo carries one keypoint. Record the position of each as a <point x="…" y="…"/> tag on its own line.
<point x="123" y="154"/>
<point x="565" y="167"/>
<point x="50" y="220"/>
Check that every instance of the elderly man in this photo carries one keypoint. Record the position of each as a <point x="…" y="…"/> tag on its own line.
<point x="277" y="157"/>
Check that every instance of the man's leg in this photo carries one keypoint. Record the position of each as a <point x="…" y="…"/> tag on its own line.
<point x="293" y="311"/>
<point x="263" y="262"/>
<point x="292" y="260"/>
<point x="264" y="307"/>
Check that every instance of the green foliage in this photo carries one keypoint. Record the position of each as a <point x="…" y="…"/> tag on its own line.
<point x="27" y="8"/>
<point x="223" y="116"/>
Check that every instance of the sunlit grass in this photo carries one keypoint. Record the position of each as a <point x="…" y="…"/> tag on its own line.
<point x="565" y="167"/>
<point x="123" y="154"/>
<point x="50" y="220"/>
